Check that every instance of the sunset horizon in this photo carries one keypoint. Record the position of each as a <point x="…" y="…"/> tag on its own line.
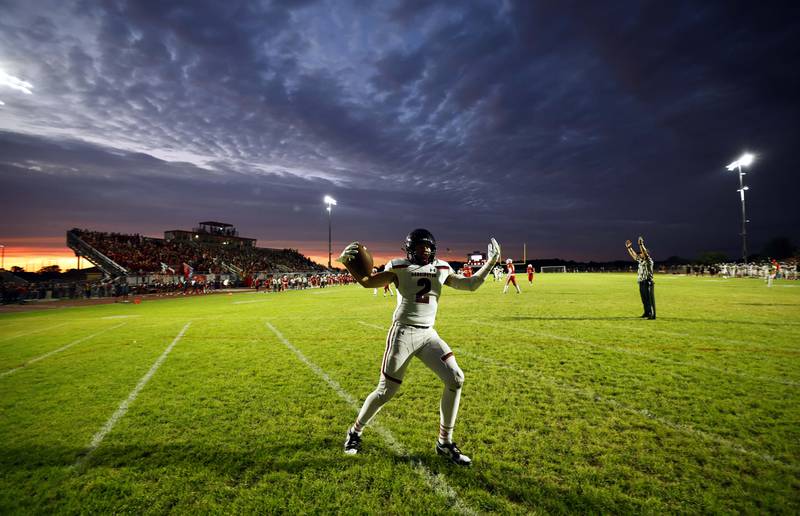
<point x="32" y="254"/>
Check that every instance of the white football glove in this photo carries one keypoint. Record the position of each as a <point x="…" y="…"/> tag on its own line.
<point x="349" y="253"/>
<point x="493" y="251"/>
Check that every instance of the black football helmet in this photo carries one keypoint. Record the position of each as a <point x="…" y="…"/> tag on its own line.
<point x="420" y="236"/>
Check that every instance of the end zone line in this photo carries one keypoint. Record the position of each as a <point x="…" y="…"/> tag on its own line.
<point x="123" y="407"/>
<point x="59" y="350"/>
<point x="436" y="482"/>
<point x="592" y="396"/>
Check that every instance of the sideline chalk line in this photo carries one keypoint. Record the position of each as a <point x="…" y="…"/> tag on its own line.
<point x="123" y="407"/>
<point x="436" y="482"/>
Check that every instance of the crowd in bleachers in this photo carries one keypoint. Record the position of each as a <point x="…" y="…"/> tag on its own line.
<point x="162" y="285"/>
<point x="44" y="290"/>
<point x="280" y="283"/>
<point x="138" y="253"/>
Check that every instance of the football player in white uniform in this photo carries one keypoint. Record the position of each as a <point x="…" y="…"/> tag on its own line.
<point x="418" y="279"/>
<point x="375" y="290"/>
<point x="498" y="273"/>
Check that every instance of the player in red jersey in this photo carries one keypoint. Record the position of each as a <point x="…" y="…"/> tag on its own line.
<point x="530" y="274"/>
<point x="511" y="278"/>
<point x="774" y="268"/>
<point x="467" y="271"/>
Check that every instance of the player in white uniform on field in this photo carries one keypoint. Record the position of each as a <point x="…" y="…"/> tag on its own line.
<point x="498" y="273"/>
<point x="418" y="279"/>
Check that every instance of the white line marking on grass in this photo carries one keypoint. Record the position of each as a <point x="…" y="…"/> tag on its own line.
<point x="59" y="350"/>
<point x="24" y="334"/>
<point x="651" y="356"/>
<point x="592" y="396"/>
<point x="435" y="482"/>
<point x="248" y="302"/>
<point x="119" y="316"/>
<point x="368" y="325"/>
<point x="123" y="407"/>
<point x="758" y="345"/>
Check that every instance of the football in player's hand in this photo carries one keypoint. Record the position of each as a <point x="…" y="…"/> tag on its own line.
<point x="360" y="263"/>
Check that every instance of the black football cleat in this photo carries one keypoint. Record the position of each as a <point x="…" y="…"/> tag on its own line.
<point x="452" y="452"/>
<point x="352" y="444"/>
<point x="651" y="317"/>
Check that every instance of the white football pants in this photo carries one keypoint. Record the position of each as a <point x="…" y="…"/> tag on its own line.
<point x="402" y="343"/>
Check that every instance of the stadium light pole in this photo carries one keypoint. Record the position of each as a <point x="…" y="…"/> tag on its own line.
<point x="744" y="161"/>
<point x="3" y="259"/>
<point x="330" y="201"/>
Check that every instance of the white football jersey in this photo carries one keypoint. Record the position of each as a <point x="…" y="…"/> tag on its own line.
<point x="418" y="290"/>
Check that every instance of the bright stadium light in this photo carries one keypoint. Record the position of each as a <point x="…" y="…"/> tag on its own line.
<point x="3" y="259"/>
<point x="330" y="201"/>
<point x="744" y="161"/>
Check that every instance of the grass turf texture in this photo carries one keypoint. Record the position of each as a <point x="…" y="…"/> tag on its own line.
<point x="571" y="403"/>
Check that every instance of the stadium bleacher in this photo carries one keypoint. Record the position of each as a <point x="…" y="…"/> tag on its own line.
<point x="140" y="254"/>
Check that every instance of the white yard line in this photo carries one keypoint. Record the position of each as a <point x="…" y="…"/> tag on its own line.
<point x="119" y="316"/>
<point x="758" y="346"/>
<point x="651" y="356"/>
<point x="59" y="350"/>
<point x="25" y="334"/>
<point x="592" y="396"/>
<point x="248" y="302"/>
<point x="368" y="325"/>
<point x="435" y="482"/>
<point x="123" y="407"/>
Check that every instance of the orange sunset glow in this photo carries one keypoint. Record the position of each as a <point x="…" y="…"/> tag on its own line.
<point x="33" y="253"/>
<point x="381" y="252"/>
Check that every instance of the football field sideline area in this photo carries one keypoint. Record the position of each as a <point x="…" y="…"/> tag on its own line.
<point x="572" y="403"/>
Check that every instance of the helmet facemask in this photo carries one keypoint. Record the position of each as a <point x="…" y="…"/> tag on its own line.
<point x="415" y="239"/>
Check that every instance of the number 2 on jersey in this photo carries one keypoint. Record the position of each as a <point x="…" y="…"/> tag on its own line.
<point x="422" y="295"/>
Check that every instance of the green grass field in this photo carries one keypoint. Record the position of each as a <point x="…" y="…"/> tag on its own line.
<point x="571" y="403"/>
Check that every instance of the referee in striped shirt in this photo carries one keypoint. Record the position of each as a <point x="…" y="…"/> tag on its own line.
<point x="645" y="277"/>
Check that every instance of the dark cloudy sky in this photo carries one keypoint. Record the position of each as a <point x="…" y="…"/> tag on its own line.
<point x="570" y="126"/>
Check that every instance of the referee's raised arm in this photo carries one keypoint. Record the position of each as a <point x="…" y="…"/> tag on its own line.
<point x="629" y="247"/>
<point x="642" y="248"/>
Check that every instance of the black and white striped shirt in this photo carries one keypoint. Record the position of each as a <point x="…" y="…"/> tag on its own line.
<point x="645" y="268"/>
